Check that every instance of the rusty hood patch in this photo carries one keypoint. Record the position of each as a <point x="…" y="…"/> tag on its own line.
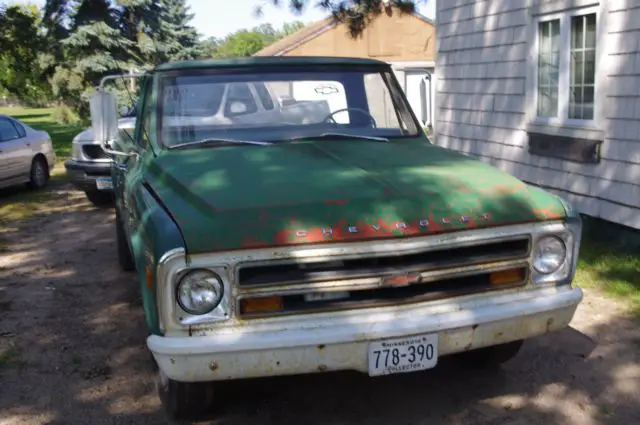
<point x="239" y="197"/>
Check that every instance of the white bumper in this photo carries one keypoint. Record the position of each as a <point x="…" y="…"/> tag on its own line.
<point x="328" y="343"/>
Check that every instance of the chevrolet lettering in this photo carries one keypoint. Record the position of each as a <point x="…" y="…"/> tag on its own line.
<point x="289" y="215"/>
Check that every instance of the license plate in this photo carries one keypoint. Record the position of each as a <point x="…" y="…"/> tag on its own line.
<point x="402" y="355"/>
<point x="104" y="183"/>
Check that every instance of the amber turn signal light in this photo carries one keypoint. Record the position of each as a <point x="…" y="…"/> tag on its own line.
<point x="505" y="277"/>
<point x="261" y="304"/>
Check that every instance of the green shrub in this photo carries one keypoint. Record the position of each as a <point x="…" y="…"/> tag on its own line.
<point x="62" y="114"/>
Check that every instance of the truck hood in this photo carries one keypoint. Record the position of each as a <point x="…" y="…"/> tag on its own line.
<point x="239" y="197"/>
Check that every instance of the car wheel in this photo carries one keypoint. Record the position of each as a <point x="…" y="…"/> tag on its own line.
<point x="124" y="252"/>
<point x="39" y="174"/>
<point x="491" y="356"/>
<point x="184" y="400"/>
<point x="100" y="199"/>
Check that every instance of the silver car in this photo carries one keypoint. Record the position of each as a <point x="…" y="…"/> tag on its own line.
<point x="89" y="168"/>
<point x="26" y="154"/>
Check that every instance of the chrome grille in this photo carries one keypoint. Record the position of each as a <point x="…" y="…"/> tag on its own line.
<point x="440" y="272"/>
<point x="94" y="152"/>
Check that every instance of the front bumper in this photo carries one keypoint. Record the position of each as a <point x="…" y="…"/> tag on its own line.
<point x="325" y="343"/>
<point x="83" y="174"/>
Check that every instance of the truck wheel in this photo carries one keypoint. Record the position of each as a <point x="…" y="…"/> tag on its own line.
<point x="184" y="400"/>
<point x="39" y="174"/>
<point x="491" y="356"/>
<point x="100" y="199"/>
<point x="124" y="252"/>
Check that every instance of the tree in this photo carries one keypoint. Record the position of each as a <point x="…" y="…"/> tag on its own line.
<point x="247" y="42"/>
<point x="357" y="14"/>
<point x="55" y="15"/>
<point x="140" y="23"/>
<point x="271" y="35"/>
<point x="210" y="46"/>
<point x="20" y="45"/>
<point x="94" y="48"/>
<point x="241" y="43"/>
<point x="177" y="36"/>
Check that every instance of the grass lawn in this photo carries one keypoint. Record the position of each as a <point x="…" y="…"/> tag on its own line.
<point x="612" y="268"/>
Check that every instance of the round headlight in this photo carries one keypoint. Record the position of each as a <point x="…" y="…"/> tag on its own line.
<point x="199" y="292"/>
<point x="549" y="254"/>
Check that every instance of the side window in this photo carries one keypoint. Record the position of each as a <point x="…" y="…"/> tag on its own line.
<point x="20" y="128"/>
<point x="7" y="131"/>
<point x="240" y="101"/>
<point x="265" y="96"/>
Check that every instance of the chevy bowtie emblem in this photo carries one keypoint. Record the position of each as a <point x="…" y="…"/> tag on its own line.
<point x="404" y="279"/>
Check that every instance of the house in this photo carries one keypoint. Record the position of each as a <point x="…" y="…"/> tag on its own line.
<point x="406" y="41"/>
<point x="548" y="90"/>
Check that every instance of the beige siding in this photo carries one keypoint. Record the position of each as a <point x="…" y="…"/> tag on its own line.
<point x="390" y="37"/>
<point x="482" y="99"/>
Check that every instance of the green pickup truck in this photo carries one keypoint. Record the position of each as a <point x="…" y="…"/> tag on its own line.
<point x="288" y="215"/>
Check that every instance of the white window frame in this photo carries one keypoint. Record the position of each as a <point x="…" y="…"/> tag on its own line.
<point x="564" y="75"/>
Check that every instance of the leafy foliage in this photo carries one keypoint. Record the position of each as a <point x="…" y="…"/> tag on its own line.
<point x="357" y="14"/>
<point x="21" y="44"/>
<point x="95" y="46"/>
<point x="247" y="42"/>
<point x="179" y="38"/>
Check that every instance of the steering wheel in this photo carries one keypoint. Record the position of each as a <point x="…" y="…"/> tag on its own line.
<point x="329" y="118"/>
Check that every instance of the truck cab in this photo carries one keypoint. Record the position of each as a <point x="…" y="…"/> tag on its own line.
<point x="290" y="216"/>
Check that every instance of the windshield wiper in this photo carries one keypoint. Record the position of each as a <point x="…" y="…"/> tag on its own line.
<point x="338" y="136"/>
<point x="215" y="142"/>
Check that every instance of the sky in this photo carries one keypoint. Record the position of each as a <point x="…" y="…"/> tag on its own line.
<point x="218" y="18"/>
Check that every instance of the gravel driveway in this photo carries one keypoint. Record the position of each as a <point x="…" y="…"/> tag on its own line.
<point x="72" y="333"/>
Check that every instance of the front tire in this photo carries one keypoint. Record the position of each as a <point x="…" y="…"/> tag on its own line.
<point x="184" y="400"/>
<point x="39" y="174"/>
<point x="124" y="252"/>
<point x="100" y="199"/>
<point x="491" y="356"/>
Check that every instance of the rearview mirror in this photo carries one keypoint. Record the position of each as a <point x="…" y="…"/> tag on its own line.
<point x="104" y="120"/>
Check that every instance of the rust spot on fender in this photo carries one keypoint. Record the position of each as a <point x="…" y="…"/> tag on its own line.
<point x="546" y="213"/>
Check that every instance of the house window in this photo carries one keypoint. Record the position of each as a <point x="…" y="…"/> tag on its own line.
<point x="583" y="66"/>
<point x="548" y="67"/>
<point x="565" y="78"/>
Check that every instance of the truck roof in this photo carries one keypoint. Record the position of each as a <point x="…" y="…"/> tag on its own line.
<point x="266" y="61"/>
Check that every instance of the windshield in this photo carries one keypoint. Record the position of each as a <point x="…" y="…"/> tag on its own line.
<point x="280" y="106"/>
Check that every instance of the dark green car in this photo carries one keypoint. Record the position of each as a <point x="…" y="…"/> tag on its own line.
<point x="289" y="216"/>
